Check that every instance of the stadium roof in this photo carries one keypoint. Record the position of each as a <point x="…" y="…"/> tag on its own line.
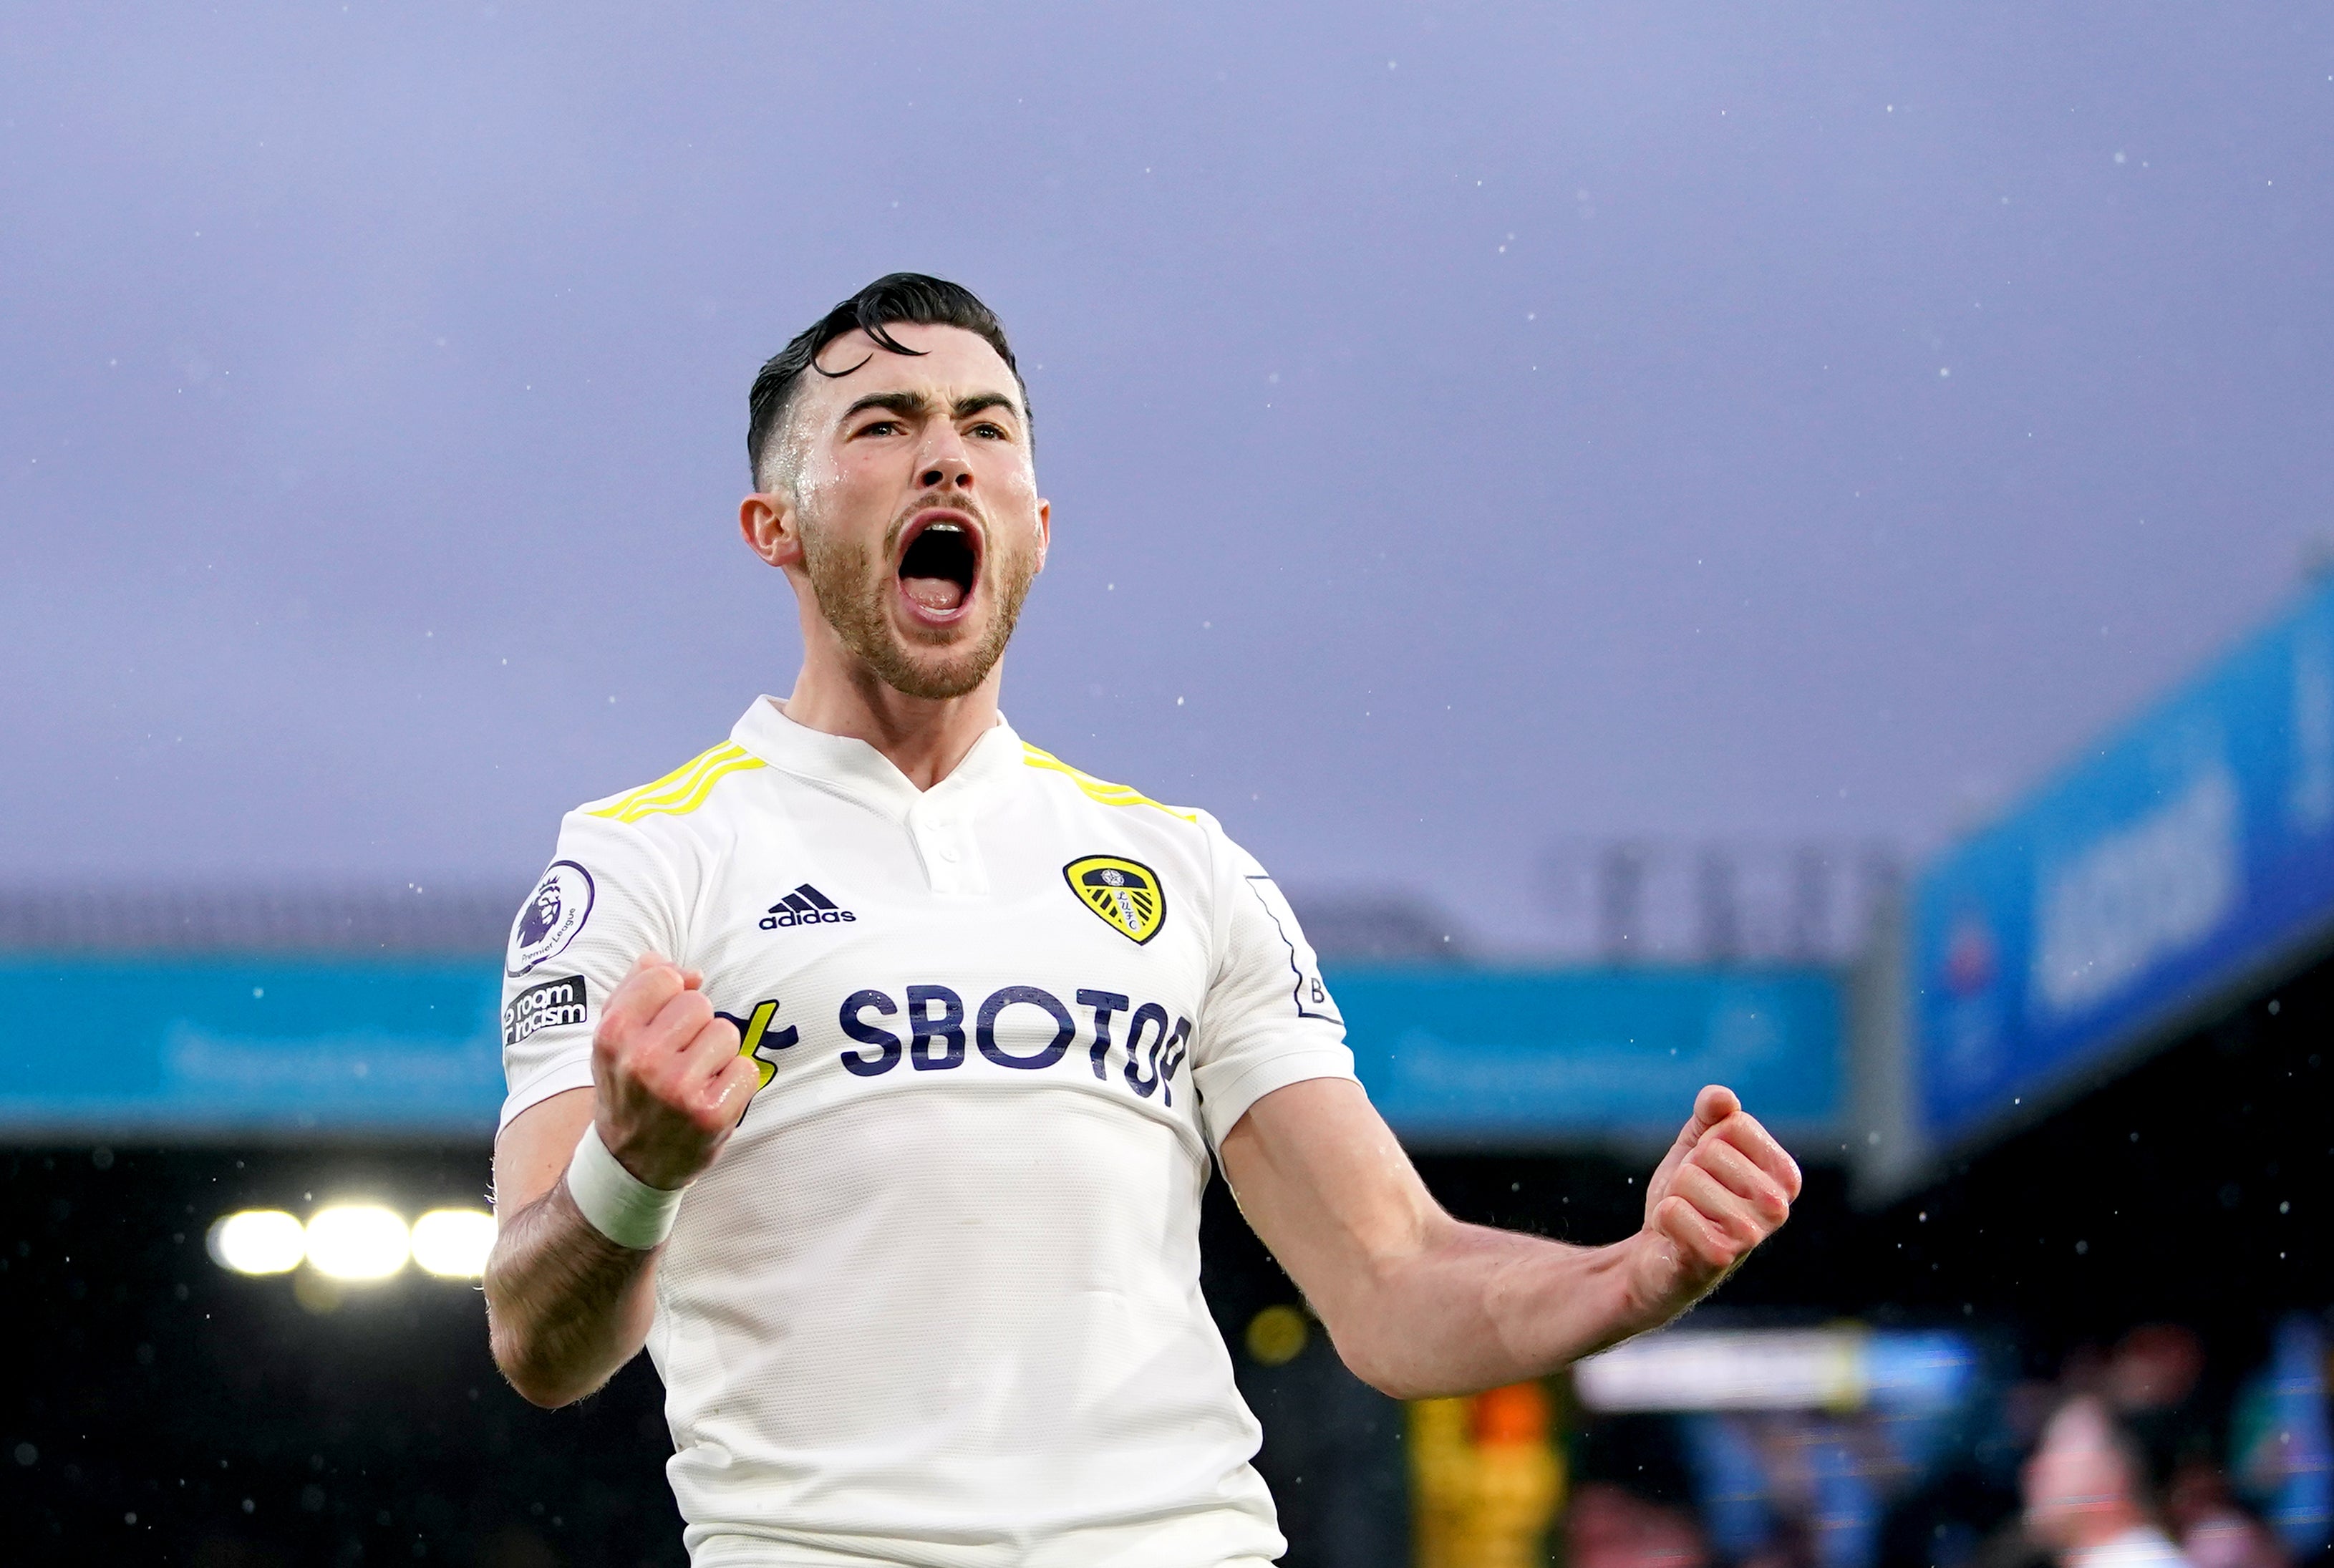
<point x="256" y="918"/>
<point x="370" y="918"/>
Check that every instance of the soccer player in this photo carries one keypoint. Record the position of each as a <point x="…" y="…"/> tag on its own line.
<point x="867" y="1069"/>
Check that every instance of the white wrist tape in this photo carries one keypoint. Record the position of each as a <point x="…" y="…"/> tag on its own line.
<point x="620" y="1206"/>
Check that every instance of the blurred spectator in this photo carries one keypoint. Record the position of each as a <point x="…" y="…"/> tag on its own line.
<point x="2156" y="1367"/>
<point x="2085" y="1495"/>
<point x="2241" y="1469"/>
<point x="2214" y="1531"/>
<point x="1608" y="1526"/>
<point x="2153" y="1380"/>
<point x="2230" y="1538"/>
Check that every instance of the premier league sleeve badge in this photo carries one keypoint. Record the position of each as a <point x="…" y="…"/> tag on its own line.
<point x="550" y="918"/>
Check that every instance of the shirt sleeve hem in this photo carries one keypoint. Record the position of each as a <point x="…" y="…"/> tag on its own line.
<point x="556" y="1080"/>
<point x="1223" y="1109"/>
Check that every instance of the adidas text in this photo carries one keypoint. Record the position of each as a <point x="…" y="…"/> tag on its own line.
<point x="805" y="906"/>
<point x="784" y="917"/>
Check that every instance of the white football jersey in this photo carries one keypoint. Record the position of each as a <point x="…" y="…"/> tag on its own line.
<point x="938" y="1302"/>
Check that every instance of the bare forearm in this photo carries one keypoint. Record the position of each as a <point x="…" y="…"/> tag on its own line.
<point x="1474" y="1308"/>
<point x="1420" y="1305"/>
<point x="565" y="1305"/>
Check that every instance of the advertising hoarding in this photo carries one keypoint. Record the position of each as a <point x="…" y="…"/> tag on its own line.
<point x="2175" y="861"/>
<point x="1504" y="1058"/>
<point x="212" y="1046"/>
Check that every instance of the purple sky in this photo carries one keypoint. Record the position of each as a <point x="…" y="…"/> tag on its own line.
<point x="1467" y="427"/>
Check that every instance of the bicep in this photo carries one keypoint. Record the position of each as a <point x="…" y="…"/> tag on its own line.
<point x="1325" y="1185"/>
<point x="531" y="1153"/>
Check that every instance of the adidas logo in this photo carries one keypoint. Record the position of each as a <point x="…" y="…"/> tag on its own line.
<point x="805" y="906"/>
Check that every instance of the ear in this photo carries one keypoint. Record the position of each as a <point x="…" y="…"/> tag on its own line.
<point x="1044" y="531"/>
<point x="772" y="526"/>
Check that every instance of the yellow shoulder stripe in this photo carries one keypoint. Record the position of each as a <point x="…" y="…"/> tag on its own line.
<point x="1098" y="790"/>
<point x="684" y="789"/>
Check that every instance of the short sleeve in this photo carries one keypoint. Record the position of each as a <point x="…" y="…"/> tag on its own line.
<point x="1268" y="1020"/>
<point x="605" y="899"/>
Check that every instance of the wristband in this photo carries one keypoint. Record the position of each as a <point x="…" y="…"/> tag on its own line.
<point x="617" y="1203"/>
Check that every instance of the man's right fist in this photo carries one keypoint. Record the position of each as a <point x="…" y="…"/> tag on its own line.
<point x="671" y="1084"/>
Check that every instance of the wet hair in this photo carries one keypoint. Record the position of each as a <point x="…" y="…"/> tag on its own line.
<point x="913" y="298"/>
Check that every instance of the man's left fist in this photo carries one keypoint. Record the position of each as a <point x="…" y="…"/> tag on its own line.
<point x="1724" y="1187"/>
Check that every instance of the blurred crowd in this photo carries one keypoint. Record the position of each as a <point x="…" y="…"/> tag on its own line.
<point x="2131" y="1456"/>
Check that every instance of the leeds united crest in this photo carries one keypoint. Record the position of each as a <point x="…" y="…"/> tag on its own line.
<point x="1125" y="893"/>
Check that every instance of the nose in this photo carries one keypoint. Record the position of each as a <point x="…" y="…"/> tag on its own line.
<point x="946" y="464"/>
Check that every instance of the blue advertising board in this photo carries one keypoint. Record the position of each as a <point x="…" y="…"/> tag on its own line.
<point x="2167" y="864"/>
<point x="226" y="1045"/>
<point x="279" y="1047"/>
<point x="1456" y="1057"/>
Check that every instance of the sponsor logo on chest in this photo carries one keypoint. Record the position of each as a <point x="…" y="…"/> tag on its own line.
<point x="1022" y="1028"/>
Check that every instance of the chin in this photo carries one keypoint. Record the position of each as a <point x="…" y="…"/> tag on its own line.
<point x="936" y="685"/>
<point x="921" y="671"/>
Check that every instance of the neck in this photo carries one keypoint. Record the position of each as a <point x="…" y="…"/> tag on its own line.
<point x="924" y="737"/>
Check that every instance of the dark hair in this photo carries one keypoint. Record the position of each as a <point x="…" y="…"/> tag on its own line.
<point x="911" y="297"/>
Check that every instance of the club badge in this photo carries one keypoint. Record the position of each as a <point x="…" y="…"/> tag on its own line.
<point x="1125" y="893"/>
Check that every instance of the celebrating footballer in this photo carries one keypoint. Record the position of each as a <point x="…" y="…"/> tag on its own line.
<point x="868" y="1069"/>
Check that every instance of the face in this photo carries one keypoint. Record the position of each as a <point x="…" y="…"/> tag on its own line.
<point x="904" y="506"/>
<point x="2075" y="1491"/>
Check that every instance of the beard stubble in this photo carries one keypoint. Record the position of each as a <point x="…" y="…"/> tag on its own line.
<point x="853" y="586"/>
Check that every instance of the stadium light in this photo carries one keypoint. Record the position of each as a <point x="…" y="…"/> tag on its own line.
<point x="257" y="1241"/>
<point x="357" y="1241"/>
<point x="453" y="1243"/>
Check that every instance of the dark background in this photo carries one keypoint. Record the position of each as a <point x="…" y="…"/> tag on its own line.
<point x="242" y="1427"/>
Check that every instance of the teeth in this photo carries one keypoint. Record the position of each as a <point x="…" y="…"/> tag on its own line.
<point x="944" y="528"/>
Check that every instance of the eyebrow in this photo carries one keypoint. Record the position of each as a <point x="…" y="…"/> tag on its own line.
<point x="973" y="403"/>
<point x="916" y="406"/>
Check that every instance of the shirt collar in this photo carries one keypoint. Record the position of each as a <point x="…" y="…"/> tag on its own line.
<point x="853" y="767"/>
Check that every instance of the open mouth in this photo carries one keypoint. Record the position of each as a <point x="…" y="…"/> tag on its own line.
<point x="938" y="567"/>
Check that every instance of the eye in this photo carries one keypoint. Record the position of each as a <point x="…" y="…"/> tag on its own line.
<point x="880" y="427"/>
<point x="991" y="431"/>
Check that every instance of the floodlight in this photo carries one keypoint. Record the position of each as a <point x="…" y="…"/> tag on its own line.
<point x="453" y="1243"/>
<point x="257" y="1241"/>
<point x="357" y="1241"/>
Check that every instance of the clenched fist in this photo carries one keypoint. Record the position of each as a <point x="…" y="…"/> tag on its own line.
<point x="1724" y="1187"/>
<point x="670" y="1083"/>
